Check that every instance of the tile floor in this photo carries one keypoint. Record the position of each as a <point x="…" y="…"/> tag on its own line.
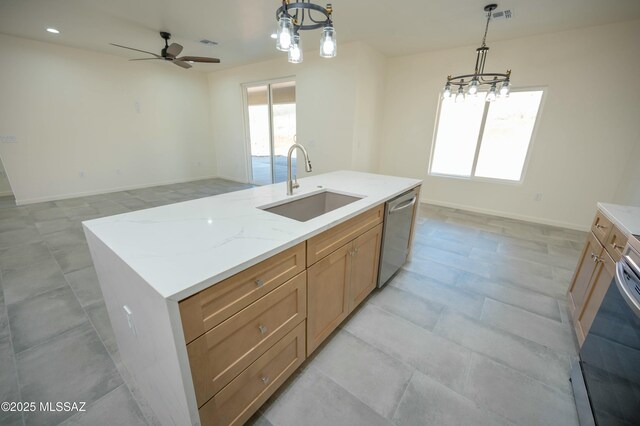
<point x="474" y="330"/>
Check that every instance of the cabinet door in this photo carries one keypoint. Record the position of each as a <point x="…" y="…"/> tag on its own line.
<point x="327" y="295"/>
<point x="600" y="282"/>
<point x="364" y="265"/>
<point x="582" y="277"/>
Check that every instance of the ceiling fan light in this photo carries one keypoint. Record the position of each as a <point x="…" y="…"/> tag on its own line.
<point x="328" y="47"/>
<point x="505" y="89"/>
<point x="295" y="52"/>
<point x="491" y="96"/>
<point x="284" y="34"/>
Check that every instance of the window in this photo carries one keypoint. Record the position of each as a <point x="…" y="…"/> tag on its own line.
<point x="487" y="140"/>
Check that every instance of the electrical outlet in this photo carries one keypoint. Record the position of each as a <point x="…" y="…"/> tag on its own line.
<point x="8" y="139"/>
<point x="129" y="313"/>
<point x="538" y="196"/>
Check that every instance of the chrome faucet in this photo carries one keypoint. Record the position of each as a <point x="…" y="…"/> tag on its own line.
<point x="291" y="184"/>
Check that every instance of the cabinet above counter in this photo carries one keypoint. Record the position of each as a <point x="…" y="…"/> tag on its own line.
<point x="183" y="248"/>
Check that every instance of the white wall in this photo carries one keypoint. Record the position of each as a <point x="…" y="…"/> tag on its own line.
<point x="338" y="109"/>
<point x="74" y="111"/>
<point x="628" y="192"/>
<point x="588" y="127"/>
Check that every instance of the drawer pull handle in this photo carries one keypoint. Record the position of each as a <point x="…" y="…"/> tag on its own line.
<point x="262" y="329"/>
<point x="265" y="380"/>
<point x="617" y="247"/>
<point x="259" y="282"/>
<point x="600" y="226"/>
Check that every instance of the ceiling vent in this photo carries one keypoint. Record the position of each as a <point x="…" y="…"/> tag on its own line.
<point x="208" y="42"/>
<point x="502" y="14"/>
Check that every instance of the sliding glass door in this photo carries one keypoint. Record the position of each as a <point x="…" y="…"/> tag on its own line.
<point x="271" y="129"/>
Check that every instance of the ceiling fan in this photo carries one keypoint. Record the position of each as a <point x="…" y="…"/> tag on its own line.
<point x="170" y="53"/>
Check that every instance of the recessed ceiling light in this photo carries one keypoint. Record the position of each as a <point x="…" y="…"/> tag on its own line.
<point x="274" y="36"/>
<point x="53" y="31"/>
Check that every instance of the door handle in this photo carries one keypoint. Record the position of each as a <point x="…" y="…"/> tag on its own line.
<point x="404" y="205"/>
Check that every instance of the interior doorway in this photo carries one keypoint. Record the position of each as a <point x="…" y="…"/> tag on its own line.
<point x="7" y="198"/>
<point x="270" y="109"/>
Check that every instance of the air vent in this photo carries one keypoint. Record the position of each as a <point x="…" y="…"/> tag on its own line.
<point x="502" y="14"/>
<point x="208" y="42"/>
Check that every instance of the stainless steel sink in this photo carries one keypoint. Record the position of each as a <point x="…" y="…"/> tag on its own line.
<point x="307" y="208"/>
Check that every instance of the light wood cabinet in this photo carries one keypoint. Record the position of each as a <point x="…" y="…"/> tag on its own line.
<point x="208" y="308"/>
<point x="594" y="273"/>
<point x="237" y="402"/>
<point x="339" y="282"/>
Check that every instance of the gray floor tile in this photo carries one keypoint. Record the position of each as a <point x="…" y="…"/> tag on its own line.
<point x="68" y="238"/>
<point x="299" y="404"/>
<point x="458" y="247"/>
<point x="73" y="258"/>
<point x="15" y="223"/>
<point x="427" y="402"/>
<point x="513" y="275"/>
<point x="497" y="261"/>
<point x="549" y="333"/>
<point x="374" y="377"/>
<point x="21" y="284"/>
<point x="100" y="319"/>
<point x="434" y="270"/>
<point x="117" y="408"/>
<point x="25" y="256"/>
<point x="84" y="283"/>
<point x="419" y="311"/>
<point x="530" y="358"/>
<point x="436" y="357"/>
<point x="258" y="420"/>
<point x="9" y="390"/>
<point x="517" y="296"/>
<point x="54" y="225"/>
<point x="518" y="397"/>
<point x="49" y="213"/>
<point x="453" y="260"/>
<point x="442" y="293"/>
<point x="71" y="202"/>
<point x="75" y="367"/>
<point x="42" y="317"/>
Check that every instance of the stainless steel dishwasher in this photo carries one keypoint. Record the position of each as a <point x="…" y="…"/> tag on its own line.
<point x="398" y="218"/>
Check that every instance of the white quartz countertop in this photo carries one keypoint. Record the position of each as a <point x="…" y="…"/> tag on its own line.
<point x="627" y="218"/>
<point x="180" y="249"/>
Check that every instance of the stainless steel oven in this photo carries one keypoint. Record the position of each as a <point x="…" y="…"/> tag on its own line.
<point x="606" y="381"/>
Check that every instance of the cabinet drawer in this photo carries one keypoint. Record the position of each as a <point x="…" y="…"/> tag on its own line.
<point x="203" y="311"/>
<point x="332" y="239"/>
<point x="601" y="227"/>
<point x="237" y="402"/>
<point x="615" y="243"/>
<point x="222" y="353"/>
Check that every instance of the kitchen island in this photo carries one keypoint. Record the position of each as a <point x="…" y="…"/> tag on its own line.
<point x="161" y="269"/>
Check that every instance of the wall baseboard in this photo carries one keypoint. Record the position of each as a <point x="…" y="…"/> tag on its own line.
<point x="26" y="201"/>
<point x="508" y="215"/>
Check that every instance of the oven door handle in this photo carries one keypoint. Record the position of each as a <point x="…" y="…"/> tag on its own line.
<point x="624" y="273"/>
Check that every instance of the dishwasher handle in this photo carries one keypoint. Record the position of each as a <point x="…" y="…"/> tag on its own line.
<point x="625" y="278"/>
<point x="403" y="206"/>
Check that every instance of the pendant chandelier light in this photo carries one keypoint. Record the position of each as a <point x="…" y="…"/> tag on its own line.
<point x="471" y="83"/>
<point x="304" y="15"/>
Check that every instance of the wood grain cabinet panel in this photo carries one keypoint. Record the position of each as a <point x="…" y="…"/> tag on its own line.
<point x="600" y="282"/>
<point x="615" y="243"/>
<point x="223" y="352"/>
<point x="586" y="266"/>
<point x="328" y="295"/>
<point x="208" y="308"/>
<point x="237" y="402"/>
<point x="364" y="268"/>
<point x="330" y="240"/>
<point x="601" y="227"/>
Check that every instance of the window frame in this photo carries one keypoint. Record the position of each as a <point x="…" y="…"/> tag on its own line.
<point x="485" y="113"/>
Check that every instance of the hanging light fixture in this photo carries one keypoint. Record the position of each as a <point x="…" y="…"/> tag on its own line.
<point x="304" y="15"/>
<point x="473" y="82"/>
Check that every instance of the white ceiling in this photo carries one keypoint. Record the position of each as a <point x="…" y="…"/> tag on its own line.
<point x="242" y="27"/>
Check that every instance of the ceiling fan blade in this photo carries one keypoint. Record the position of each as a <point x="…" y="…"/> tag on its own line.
<point x="199" y="59"/>
<point x="174" y="50"/>
<point x="137" y="50"/>
<point x="182" y="64"/>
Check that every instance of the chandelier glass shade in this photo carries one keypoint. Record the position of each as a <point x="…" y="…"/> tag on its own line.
<point x="470" y="84"/>
<point x="300" y="16"/>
